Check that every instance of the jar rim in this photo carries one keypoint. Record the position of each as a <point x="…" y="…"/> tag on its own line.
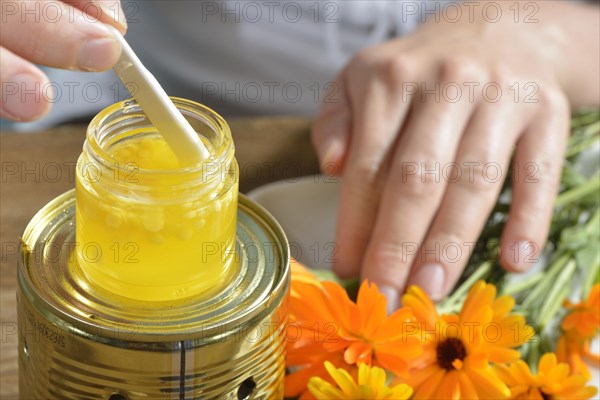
<point x="206" y="115"/>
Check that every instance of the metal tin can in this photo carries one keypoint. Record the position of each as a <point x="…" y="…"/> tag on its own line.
<point x="75" y="346"/>
<point x="75" y="343"/>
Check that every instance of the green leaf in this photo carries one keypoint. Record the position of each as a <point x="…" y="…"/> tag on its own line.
<point x="588" y="257"/>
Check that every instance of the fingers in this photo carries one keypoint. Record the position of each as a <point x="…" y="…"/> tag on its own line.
<point x="474" y="182"/>
<point x="412" y="194"/>
<point x="378" y="111"/>
<point x="61" y="38"/>
<point x="537" y="168"/>
<point x="331" y="130"/>
<point x="107" y="11"/>
<point x="54" y="34"/>
<point x="21" y="83"/>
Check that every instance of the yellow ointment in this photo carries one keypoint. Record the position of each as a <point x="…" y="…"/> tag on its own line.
<point x="148" y="228"/>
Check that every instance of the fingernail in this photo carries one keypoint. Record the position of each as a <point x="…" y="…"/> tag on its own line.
<point x="432" y="279"/>
<point x="524" y="255"/>
<point x="23" y="98"/>
<point x="98" y="54"/>
<point x="392" y="296"/>
<point x="114" y="13"/>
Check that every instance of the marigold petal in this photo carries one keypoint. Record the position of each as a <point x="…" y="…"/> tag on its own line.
<point x="372" y="305"/>
<point x="401" y="324"/>
<point x="396" y="365"/>
<point x="488" y="384"/>
<point x="504" y="373"/>
<point x="477" y="305"/>
<point x="342" y="378"/>
<point x="586" y="392"/>
<point x="323" y="390"/>
<point x="547" y="362"/>
<point x="341" y="306"/>
<point x="374" y="377"/>
<point x="300" y="273"/>
<point x="421" y="305"/>
<point x="559" y="373"/>
<point x="357" y="352"/>
<point x="467" y="389"/>
<point x="522" y="369"/>
<point x="304" y="352"/>
<point x="502" y="306"/>
<point x="407" y="349"/>
<point x="510" y="331"/>
<point x="295" y="382"/>
<point x="569" y="322"/>
<point x="502" y="354"/>
<point x="312" y="304"/>
<point x="427" y="389"/>
<point x="401" y="392"/>
<point x="476" y="361"/>
<point x="366" y="383"/>
<point x="449" y="387"/>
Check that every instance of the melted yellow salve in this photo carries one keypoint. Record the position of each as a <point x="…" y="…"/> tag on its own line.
<point x="149" y="244"/>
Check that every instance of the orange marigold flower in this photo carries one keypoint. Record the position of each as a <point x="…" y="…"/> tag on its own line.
<point x="370" y="383"/>
<point x="296" y="381"/>
<point x="553" y="380"/>
<point x="573" y="352"/>
<point x="301" y="274"/>
<point x="327" y="325"/>
<point x="460" y="347"/>
<point x="583" y="320"/>
<point x="579" y="327"/>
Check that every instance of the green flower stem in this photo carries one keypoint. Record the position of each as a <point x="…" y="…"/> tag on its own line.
<point x="524" y="284"/>
<point x="585" y="117"/>
<point x="581" y="145"/>
<point x="558" y="293"/>
<point x="567" y="198"/>
<point x="481" y="271"/>
<point x="545" y="285"/>
<point x="593" y="223"/>
<point x="547" y="279"/>
<point x="592" y="229"/>
<point x="533" y="353"/>
<point x="591" y="277"/>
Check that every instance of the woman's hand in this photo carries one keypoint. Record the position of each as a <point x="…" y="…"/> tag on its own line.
<point x="63" y="34"/>
<point x="425" y="129"/>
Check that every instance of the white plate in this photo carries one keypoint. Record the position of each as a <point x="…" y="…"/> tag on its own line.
<point x="307" y="211"/>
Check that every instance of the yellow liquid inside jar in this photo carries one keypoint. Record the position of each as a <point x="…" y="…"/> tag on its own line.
<point x="148" y="228"/>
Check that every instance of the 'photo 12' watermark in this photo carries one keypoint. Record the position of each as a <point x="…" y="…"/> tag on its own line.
<point x="269" y="12"/>
<point x="58" y="12"/>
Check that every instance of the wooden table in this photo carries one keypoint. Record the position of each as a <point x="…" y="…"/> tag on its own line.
<point x="36" y="167"/>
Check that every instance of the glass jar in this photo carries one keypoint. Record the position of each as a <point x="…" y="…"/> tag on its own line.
<point x="155" y="234"/>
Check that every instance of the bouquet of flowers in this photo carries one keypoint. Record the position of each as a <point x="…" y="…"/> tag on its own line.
<point x="494" y="337"/>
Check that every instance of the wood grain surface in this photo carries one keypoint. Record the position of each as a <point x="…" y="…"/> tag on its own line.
<point x="36" y="167"/>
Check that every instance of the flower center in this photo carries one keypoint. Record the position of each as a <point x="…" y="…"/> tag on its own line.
<point x="449" y="350"/>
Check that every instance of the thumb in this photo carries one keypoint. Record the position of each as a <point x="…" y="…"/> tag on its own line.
<point x="108" y="11"/>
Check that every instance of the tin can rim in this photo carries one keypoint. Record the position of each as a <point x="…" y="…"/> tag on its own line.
<point x="259" y="287"/>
